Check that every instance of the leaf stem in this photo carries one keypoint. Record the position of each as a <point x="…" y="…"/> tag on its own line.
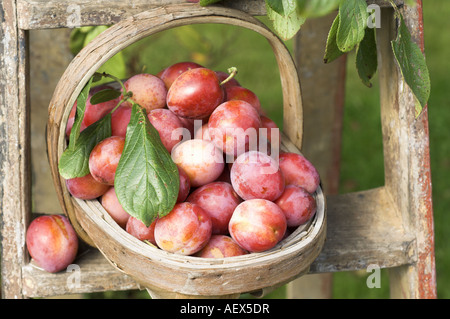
<point x="106" y="75"/>
<point x="118" y="104"/>
<point x="126" y="94"/>
<point x="232" y="71"/>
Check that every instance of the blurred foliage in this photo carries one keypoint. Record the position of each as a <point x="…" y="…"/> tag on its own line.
<point x="80" y="37"/>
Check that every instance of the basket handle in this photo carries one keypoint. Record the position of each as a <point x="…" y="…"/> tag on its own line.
<point x="139" y="26"/>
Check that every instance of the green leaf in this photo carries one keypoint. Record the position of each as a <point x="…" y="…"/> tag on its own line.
<point x="97" y="77"/>
<point x="104" y="96"/>
<point x="332" y="51"/>
<point x="79" y="114"/>
<point x="288" y="25"/>
<point x="276" y="5"/>
<point x="208" y="2"/>
<point x="353" y="17"/>
<point x="366" y="57"/>
<point x="412" y="65"/>
<point x="316" y="8"/>
<point x="147" y="180"/>
<point x="74" y="162"/>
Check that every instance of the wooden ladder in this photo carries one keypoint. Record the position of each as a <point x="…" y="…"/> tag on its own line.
<point x="390" y="226"/>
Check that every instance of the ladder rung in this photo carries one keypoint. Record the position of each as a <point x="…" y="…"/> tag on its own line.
<point x="364" y="228"/>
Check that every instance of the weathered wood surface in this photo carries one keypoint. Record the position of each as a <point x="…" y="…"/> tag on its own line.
<point x="366" y="229"/>
<point x="41" y="14"/>
<point x="67" y="13"/>
<point x="90" y="272"/>
<point x="15" y="178"/>
<point x="407" y="160"/>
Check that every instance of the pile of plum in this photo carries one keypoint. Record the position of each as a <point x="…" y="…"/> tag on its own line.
<point x="239" y="193"/>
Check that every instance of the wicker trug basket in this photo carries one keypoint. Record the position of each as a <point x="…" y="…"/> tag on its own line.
<point x="164" y="274"/>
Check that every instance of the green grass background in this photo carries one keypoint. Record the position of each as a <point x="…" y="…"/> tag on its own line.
<point x="219" y="47"/>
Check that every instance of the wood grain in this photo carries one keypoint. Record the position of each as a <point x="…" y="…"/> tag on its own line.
<point x="407" y="160"/>
<point x="43" y="14"/>
<point x="367" y="229"/>
<point x="90" y="272"/>
<point x="15" y="176"/>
